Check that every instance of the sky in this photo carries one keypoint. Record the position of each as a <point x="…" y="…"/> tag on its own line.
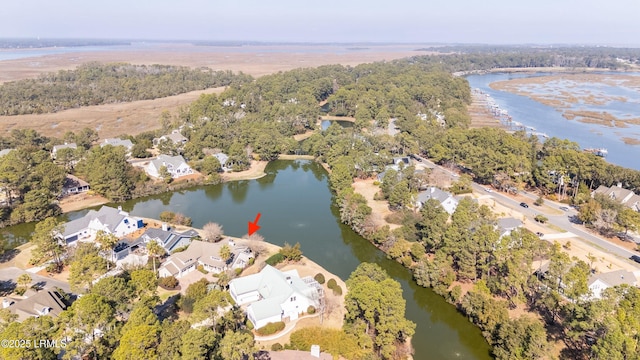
<point x="612" y="22"/>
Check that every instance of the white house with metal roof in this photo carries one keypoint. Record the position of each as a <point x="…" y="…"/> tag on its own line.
<point x="107" y="219"/>
<point x="176" y="165"/>
<point x="273" y="295"/>
<point x="175" y="137"/>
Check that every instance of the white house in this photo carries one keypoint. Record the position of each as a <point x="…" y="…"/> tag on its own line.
<point x="626" y="197"/>
<point x="118" y="142"/>
<point x="56" y="148"/>
<point x="448" y="202"/>
<point x="176" y="165"/>
<point x="222" y="159"/>
<point x="507" y="225"/>
<point x="166" y="237"/>
<point x="107" y="219"/>
<point x="599" y="282"/>
<point x="208" y="255"/>
<point x="275" y="296"/>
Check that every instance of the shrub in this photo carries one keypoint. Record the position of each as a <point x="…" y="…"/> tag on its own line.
<point x="238" y="271"/>
<point x="311" y="310"/>
<point x="319" y="278"/>
<point x="539" y="201"/>
<point x="202" y="270"/>
<point x="337" y="290"/>
<point x="20" y="291"/>
<point x="277" y="347"/>
<point x="275" y="259"/>
<point x="252" y="261"/>
<point x="271" y="328"/>
<point x="291" y="253"/>
<point x="169" y="282"/>
<point x="249" y="325"/>
<point x="332" y="283"/>
<point x="541" y="218"/>
<point x="180" y="249"/>
<point x="52" y="268"/>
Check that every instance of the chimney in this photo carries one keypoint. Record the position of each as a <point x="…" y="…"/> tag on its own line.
<point x="6" y="303"/>
<point x="619" y="185"/>
<point x="165" y="227"/>
<point x="315" y="351"/>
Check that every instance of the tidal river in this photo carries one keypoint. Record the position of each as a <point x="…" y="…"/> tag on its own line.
<point x="548" y="120"/>
<point x="297" y="206"/>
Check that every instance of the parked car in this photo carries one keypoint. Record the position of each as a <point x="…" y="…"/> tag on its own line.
<point x="524" y="205"/>
<point x="488" y="190"/>
<point x="635" y="258"/>
<point x="564" y="208"/>
<point x="539" y="234"/>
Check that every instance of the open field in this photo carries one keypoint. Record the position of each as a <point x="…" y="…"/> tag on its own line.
<point x="136" y="117"/>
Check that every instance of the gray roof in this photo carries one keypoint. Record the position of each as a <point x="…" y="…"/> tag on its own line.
<point x="106" y="215"/>
<point x="64" y="146"/>
<point x="509" y="223"/>
<point x="433" y="193"/>
<point x="202" y="252"/>
<point x="168" y="238"/>
<point x="168" y="161"/>
<point x="222" y="158"/>
<point x="34" y="305"/>
<point x="614" y="278"/>
<point x="71" y="182"/>
<point x="117" y="142"/>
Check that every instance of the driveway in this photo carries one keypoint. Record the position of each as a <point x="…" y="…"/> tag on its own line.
<point x="9" y="276"/>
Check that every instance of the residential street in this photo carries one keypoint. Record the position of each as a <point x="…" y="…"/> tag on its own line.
<point x="561" y="221"/>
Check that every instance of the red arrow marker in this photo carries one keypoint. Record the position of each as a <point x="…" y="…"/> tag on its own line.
<point x="253" y="226"/>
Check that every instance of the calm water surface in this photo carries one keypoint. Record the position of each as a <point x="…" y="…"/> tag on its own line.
<point x="297" y="206"/>
<point x="550" y="121"/>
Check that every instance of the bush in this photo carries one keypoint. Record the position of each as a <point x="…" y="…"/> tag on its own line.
<point x="277" y="347"/>
<point x="332" y="283"/>
<point x="249" y="325"/>
<point x="541" y="219"/>
<point x="20" y="291"/>
<point x="180" y="249"/>
<point x="539" y="201"/>
<point x="275" y="259"/>
<point x="52" y="268"/>
<point x="337" y="290"/>
<point x="319" y="278"/>
<point x="271" y="328"/>
<point x="169" y="282"/>
<point x="238" y="271"/>
<point x="202" y="270"/>
<point x="311" y="310"/>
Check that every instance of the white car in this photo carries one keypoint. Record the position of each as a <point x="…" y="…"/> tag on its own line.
<point x="488" y="190"/>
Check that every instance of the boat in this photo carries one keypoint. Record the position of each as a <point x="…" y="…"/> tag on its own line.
<point x="602" y="152"/>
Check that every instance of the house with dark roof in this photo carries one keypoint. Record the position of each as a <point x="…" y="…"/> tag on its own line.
<point x="273" y="295"/>
<point x="74" y="185"/>
<point x="208" y="255"/>
<point x="107" y="219"/>
<point x="448" y="202"/>
<point x="176" y="165"/>
<point x="600" y="282"/>
<point x="166" y="237"/>
<point x="42" y="303"/>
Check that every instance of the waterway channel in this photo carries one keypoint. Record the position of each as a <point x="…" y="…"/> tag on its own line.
<point x="297" y="206"/>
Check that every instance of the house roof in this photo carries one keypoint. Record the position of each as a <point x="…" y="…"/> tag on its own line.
<point x="33" y="306"/>
<point x="108" y="216"/>
<point x="56" y="148"/>
<point x="167" y="238"/>
<point x="168" y="161"/>
<point x="71" y="182"/>
<point x="117" y="142"/>
<point x="202" y="252"/>
<point x="433" y="193"/>
<point x="222" y="158"/>
<point x="509" y="223"/>
<point x="5" y="151"/>
<point x="614" y="278"/>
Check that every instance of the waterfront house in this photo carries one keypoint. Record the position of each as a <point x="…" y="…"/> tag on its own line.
<point x="166" y="237"/>
<point x="207" y="255"/>
<point x="176" y="166"/>
<point x="42" y="303"/>
<point x="222" y="159"/>
<point x="74" y="185"/>
<point x="273" y="295"/>
<point x="448" y="202"/>
<point x="107" y="219"/>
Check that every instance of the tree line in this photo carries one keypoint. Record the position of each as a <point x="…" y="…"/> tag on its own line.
<point x="95" y="84"/>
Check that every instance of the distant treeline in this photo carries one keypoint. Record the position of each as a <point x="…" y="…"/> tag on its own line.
<point x="43" y="43"/>
<point x="470" y="58"/>
<point x="96" y="84"/>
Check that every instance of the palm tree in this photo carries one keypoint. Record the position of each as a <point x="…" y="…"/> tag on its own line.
<point x="154" y="250"/>
<point x="107" y="242"/>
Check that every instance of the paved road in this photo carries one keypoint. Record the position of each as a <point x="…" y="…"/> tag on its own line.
<point x="9" y="276"/>
<point x="561" y="221"/>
